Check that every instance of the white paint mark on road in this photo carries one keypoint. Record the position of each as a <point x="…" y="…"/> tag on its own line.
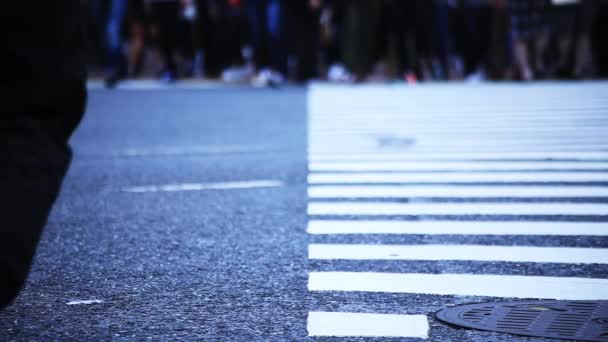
<point x="490" y="157"/>
<point x="85" y="302"/>
<point x="565" y="255"/>
<point x="346" y="324"/>
<point x="450" y="177"/>
<point x="451" y="191"/>
<point x="454" y="166"/>
<point x="567" y="288"/>
<point x="381" y="208"/>
<point x="205" y="186"/>
<point x="554" y="228"/>
<point x="192" y="150"/>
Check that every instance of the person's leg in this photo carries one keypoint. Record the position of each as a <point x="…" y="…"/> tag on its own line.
<point x="35" y="159"/>
<point x="166" y="16"/>
<point x="116" y="65"/>
<point x="275" y="21"/>
<point x="520" y="51"/>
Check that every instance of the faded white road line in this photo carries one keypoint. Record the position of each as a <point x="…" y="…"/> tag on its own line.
<point x="346" y="324"/>
<point x="567" y="288"/>
<point x="566" y="255"/>
<point x="205" y="186"/>
<point x="458" y="227"/>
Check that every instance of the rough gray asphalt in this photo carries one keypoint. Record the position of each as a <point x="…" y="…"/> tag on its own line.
<point x="217" y="265"/>
<point x="213" y="265"/>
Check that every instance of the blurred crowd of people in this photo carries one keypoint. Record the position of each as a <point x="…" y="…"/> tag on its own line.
<point x="267" y="42"/>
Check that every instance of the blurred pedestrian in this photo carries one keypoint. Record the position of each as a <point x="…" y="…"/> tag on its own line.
<point x="137" y="22"/>
<point x="304" y="35"/>
<point x="530" y="36"/>
<point x="117" y="68"/>
<point x="268" y="22"/>
<point x="43" y="101"/>
<point x="165" y="15"/>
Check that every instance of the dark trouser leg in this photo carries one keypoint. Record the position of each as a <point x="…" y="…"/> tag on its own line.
<point x="35" y="158"/>
<point x="166" y="15"/>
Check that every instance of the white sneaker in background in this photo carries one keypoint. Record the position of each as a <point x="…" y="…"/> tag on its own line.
<point x="338" y="73"/>
<point x="476" y="77"/>
<point x="268" y="78"/>
<point x="240" y="74"/>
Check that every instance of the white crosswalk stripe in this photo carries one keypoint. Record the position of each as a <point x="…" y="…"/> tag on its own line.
<point x="459" y="252"/>
<point x="423" y="209"/>
<point x="455" y="166"/>
<point x="547" y="228"/>
<point x="450" y="177"/>
<point x="453" y="191"/>
<point x="449" y="164"/>
<point x="508" y="286"/>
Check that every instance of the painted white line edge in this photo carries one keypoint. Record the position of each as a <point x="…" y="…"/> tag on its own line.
<point x="85" y="302"/>
<point x="451" y="191"/>
<point x="555" y="228"/>
<point x="506" y="286"/>
<point x="450" y="177"/>
<point x="565" y="255"/>
<point x="490" y="157"/>
<point x="343" y="324"/>
<point x="205" y="186"/>
<point x="382" y="208"/>
<point x="454" y="166"/>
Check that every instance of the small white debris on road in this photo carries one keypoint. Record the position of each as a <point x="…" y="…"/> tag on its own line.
<point x="85" y="302"/>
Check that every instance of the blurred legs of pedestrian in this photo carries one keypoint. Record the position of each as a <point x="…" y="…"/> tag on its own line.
<point x="304" y="34"/>
<point x="399" y="34"/>
<point x="477" y="17"/>
<point x="529" y="35"/>
<point x="498" y="64"/>
<point x="425" y="19"/>
<point x="97" y="41"/>
<point x="563" y="20"/>
<point x="332" y="32"/>
<point x="584" y="64"/>
<point x="599" y="43"/>
<point x="359" y="37"/>
<point x="222" y="34"/>
<point x="116" y="59"/>
<point x="137" y="37"/>
<point x="267" y="19"/>
<point x="165" y="14"/>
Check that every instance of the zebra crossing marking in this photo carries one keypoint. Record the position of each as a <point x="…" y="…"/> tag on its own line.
<point x="454" y="166"/>
<point x="548" y="228"/>
<point x="566" y="255"/>
<point x="433" y="208"/>
<point x="545" y="146"/>
<point x="350" y="324"/>
<point x="504" y="286"/>
<point x="444" y="157"/>
<point x="450" y="177"/>
<point x="452" y="191"/>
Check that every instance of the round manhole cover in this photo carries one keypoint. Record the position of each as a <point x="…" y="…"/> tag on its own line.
<point x="569" y="320"/>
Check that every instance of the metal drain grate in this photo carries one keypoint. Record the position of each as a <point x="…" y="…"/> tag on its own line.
<point x="574" y="320"/>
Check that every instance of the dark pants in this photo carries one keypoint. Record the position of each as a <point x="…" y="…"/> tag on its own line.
<point x="35" y="158"/>
<point x="166" y="16"/>
<point x="267" y="19"/>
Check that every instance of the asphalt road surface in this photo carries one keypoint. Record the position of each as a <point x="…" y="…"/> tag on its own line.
<point x="330" y="213"/>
